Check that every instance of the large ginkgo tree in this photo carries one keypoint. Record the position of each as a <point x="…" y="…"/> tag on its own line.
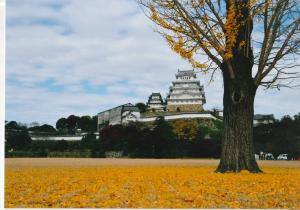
<point x="252" y="42"/>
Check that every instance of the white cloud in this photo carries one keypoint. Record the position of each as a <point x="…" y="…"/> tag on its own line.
<point x="110" y="45"/>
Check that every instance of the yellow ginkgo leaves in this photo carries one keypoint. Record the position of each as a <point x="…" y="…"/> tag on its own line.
<point x="150" y="187"/>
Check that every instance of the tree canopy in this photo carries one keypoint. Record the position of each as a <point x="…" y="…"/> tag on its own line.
<point x="142" y="107"/>
<point x="72" y="123"/>
<point x="207" y="34"/>
<point x="43" y="128"/>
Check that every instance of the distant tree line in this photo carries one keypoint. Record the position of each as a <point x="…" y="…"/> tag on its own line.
<point x="70" y="124"/>
<point x="161" y="139"/>
<point x="67" y="125"/>
<point x="182" y="138"/>
<point x="17" y="136"/>
<point x="281" y="137"/>
<point x="19" y="143"/>
<point x="164" y="140"/>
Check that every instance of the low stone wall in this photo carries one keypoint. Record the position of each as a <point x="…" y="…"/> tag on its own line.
<point x="185" y="108"/>
<point x="113" y="154"/>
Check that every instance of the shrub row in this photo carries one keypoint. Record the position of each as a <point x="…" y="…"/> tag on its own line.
<point x="45" y="153"/>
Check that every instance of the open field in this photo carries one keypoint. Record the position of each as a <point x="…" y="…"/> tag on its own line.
<point x="144" y="183"/>
<point x="79" y="162"/>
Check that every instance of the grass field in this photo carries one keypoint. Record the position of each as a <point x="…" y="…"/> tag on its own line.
<point x="147" y="183"/>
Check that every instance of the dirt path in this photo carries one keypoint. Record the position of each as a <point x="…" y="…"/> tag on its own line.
<point x="79" y="162"/>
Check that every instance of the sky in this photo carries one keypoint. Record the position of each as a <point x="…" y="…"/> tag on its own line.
<point x="82" y="57"/>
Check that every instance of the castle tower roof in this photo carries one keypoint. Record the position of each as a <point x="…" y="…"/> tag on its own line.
<point x="185" y="73"/>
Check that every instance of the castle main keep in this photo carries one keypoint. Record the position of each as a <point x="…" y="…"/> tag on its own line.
<point x="185" y="95"/>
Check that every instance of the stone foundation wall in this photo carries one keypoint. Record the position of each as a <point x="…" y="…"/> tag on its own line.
<point x="185" y="108"/>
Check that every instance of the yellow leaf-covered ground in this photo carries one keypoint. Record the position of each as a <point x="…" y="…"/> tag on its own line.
<point x="153" y="186"/>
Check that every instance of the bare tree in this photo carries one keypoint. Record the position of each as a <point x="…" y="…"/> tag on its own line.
<point x="253" y="42"/>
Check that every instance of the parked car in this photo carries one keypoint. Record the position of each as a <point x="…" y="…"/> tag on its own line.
<point x="282" y="157"/>
<point x="266" y="156"/>
<point x="269" y="156"/>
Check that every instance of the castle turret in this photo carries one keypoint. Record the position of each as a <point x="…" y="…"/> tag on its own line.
<point x="155" y="103"/>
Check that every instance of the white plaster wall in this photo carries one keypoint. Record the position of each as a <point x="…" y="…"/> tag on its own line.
<point x="199" y="102"/>
<point x="129" y="118"/>
<point x="147" y="119"/>
<point x="57" y="138"/>
<point x="181" y="116"/>
<point x="115" y="116"/>
<point x="103" y="117"/>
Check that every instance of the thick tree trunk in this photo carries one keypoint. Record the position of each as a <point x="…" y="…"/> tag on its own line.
<point x="239" y="93"/>
<point x="237" y="146"/>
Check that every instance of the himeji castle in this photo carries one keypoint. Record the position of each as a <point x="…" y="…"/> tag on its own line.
<point x="185" y="95"/>
<point x="185" y="100"/>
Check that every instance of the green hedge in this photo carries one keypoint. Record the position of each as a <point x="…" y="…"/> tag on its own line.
<point x="25" y="154"/>
<point x="82" y="154"/>
<point x="45" y="153"/>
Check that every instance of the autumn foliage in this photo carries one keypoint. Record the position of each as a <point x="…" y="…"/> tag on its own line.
<point x="149" y="187"/>
<point x="185" y="129"/>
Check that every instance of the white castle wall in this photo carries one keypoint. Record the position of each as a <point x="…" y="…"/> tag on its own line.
<point x="179" y="116"/>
